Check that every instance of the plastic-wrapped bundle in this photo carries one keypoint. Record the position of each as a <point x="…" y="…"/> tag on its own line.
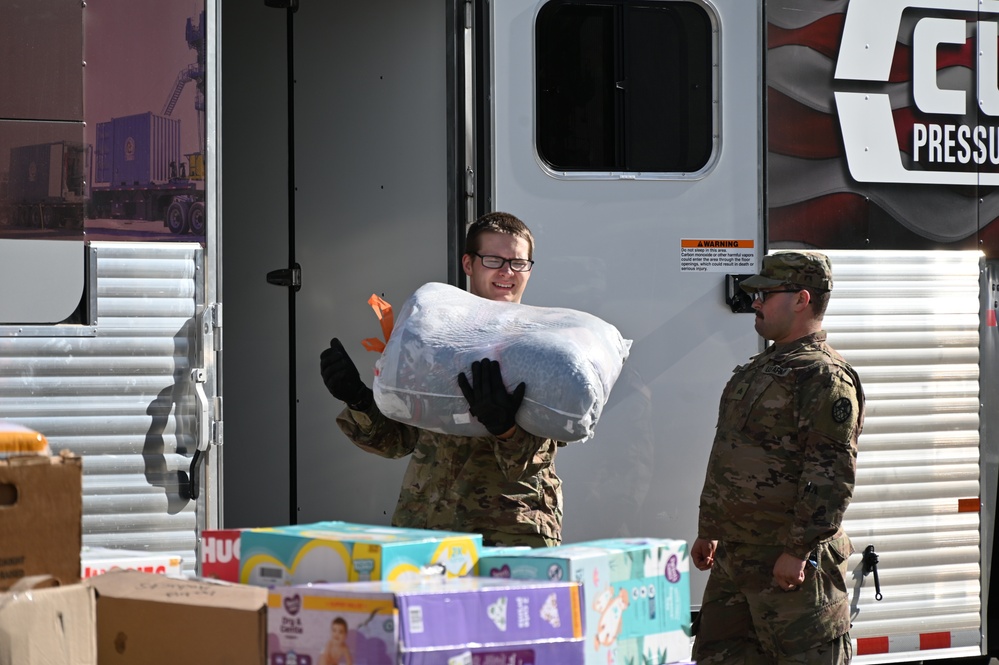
<point x="569" y="361"/>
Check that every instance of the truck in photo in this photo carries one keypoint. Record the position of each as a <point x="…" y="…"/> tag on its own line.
<point x="139" y="173"/>
<point x="47" y="185"/>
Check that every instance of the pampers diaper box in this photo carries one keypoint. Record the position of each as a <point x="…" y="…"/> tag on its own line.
<point x="347" y="552"/>
<point x="636" y="593"/>
<point x="442" y="621"/>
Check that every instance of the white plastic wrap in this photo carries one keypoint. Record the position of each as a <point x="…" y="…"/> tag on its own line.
<point x="569" y="361"/>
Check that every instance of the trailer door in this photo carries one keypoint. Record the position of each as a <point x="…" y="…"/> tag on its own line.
<point x="635" y="162"/>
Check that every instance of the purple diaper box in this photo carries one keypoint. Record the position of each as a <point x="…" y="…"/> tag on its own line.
<point x="454" y="621"/>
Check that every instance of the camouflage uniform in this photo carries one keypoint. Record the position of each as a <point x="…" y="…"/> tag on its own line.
<point x="505" y="489"/>
<point x="780" y="477"/>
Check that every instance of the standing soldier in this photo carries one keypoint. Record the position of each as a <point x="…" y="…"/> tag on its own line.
<point x="780" y="477"/>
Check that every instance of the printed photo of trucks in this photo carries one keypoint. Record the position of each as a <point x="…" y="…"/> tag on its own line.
<point x="133" y="169"/>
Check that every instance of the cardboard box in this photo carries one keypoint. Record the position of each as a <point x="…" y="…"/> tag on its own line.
<point x="148" y="619"/>
<point x="219" y="554"/>
<point x="446" y="620"/>
<point x="345" y="552"/>
<point x="637" y="594"/>
<point x="41" y="509"/>
<point x="99" y="560"/>
<point x="49" y="626"/>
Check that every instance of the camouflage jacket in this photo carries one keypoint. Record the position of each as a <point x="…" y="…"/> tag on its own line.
<point x="469" y="484"/>
<point x="783" y="462"/>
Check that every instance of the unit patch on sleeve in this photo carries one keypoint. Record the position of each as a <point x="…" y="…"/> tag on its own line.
<point x="841" y="409"/>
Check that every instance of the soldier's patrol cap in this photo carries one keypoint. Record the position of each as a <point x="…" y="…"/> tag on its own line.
<point x="805" y="269"/>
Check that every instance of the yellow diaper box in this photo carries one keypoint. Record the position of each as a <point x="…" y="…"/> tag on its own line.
<point x="346" y="552"/>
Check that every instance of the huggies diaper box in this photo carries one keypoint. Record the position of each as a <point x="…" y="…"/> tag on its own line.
<point x="636" y="593"/>
<point x="219" y="554"/>
<point x="443" y="621"/>
<point x="346" y="552"/>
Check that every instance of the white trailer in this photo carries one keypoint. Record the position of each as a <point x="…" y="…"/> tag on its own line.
<point x="646" y="144"/>
<point x="658" y="149"/>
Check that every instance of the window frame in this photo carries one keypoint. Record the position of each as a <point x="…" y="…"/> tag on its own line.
<point x="715" y="126"/>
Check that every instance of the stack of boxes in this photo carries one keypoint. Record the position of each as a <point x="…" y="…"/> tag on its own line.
<point x="312" y="594"/>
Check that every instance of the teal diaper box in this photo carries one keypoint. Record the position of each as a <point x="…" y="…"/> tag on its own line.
<point x="347" y="552"/>
<point x="636" y="594"/>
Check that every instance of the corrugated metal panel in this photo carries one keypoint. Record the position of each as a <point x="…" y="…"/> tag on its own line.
<point x="120" y="394"/>
<point x="909" y="323"/>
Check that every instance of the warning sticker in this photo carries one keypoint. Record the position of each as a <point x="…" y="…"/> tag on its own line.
<point x="703" y="255"/>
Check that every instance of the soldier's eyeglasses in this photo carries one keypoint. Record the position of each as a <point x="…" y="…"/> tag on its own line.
<point x="494" y="262"/>
<point x="761" y="296"/>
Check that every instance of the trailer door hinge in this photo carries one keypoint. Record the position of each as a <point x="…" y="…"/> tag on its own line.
<point x="286" y="277"/>
<point x="217" y="430"/>
<point x="213" y="324"/>
<point x="283" y="4"/>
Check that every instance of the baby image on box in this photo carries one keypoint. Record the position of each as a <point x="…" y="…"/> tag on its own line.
<point x="336" y="651"/>
<point x="307" y="627"/>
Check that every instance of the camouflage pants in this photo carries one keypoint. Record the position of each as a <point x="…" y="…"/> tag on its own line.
<point x="746" y="618"/>
<point x="500" y="539"/>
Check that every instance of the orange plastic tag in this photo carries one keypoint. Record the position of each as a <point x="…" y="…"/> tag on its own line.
<point x="383" y="311"/>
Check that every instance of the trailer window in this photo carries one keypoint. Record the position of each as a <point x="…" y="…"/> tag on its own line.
<point x="624" y="87"/>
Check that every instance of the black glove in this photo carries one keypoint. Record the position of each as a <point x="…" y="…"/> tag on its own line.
<point x="341" y="377"/>
<point x="488" y="400"/>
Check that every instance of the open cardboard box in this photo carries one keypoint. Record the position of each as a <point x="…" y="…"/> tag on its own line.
<point x="42" y="625"/>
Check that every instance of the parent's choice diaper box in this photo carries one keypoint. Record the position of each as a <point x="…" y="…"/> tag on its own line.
<point x="347" y="552"/>
<point x="444" y="621"/>
<point x="636" y="592"/>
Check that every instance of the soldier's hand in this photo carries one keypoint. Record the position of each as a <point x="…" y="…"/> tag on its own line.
<point x="341" y="377"/>
<point x="488" y="399"/>
<point x="789" y="572"/>
<point x="702" y="553"/>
